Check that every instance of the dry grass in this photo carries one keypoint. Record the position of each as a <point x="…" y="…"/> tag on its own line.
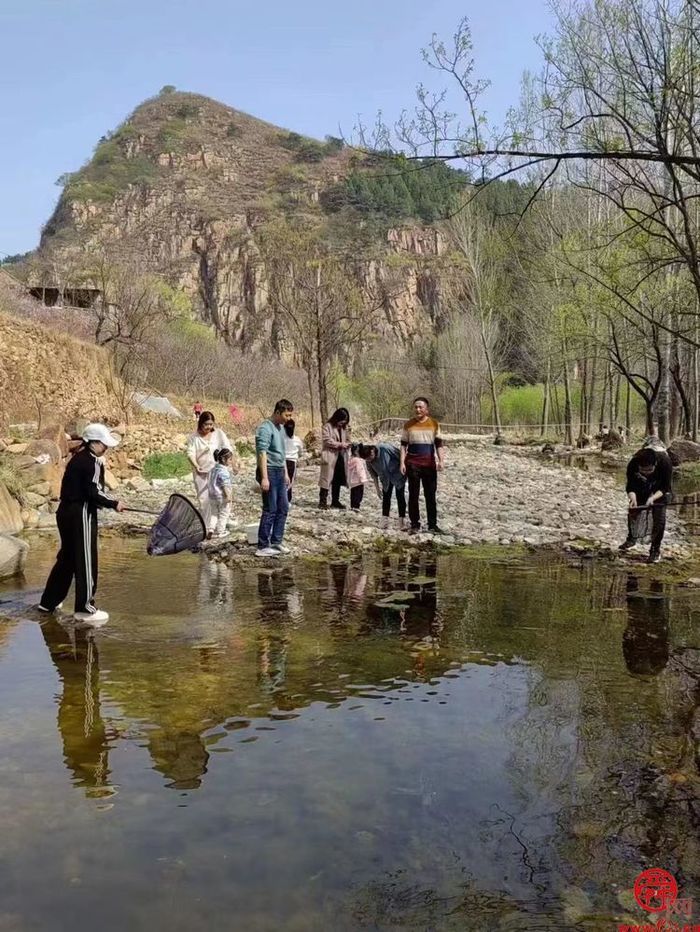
<point x="11" y="478"/>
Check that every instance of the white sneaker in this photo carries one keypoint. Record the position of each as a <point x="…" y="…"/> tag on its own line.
<point x="384" y="523"/>
<point x="267" y="552"/>
<point x="48" y="611"/>
<point x="280" y="548"/>
<point x="92" y="618"/>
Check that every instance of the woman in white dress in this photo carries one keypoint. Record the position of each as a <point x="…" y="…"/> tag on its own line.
<point x="200" y="452"/>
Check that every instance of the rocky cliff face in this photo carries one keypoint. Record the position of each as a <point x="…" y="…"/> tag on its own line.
<point x="186" y="184"/>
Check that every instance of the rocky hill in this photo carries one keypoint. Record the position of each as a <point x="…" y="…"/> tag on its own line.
<point x="186" y="183"/>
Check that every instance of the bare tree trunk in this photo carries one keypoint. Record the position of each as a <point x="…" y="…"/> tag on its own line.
<point x="650" y="425"/>
<point x="601" y="419"/>
<point x="492" y="379"/>
<point x="628" y="410"/>
<point x="583" y="400"/>
<point x="321" y="361"/>
<point x="614" y="399"/>
<point x="592" y="392"/>
<point x="556" y="409"/>
<point x="310" y="382"/>
<point x="545" y="400"/>
<point x="696" y="384"/>
<point x="568" y="412"/>
<point x="663" y="399"/>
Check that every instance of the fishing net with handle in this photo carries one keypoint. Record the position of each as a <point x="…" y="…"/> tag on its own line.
<point x="179" y="527"/>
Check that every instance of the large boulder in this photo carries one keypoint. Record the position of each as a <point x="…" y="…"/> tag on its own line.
<point x="42" y="448"/>
<point x="13" y="553"/>
<point x="684" y="451"/>
<point x="10" y="513"/>
<point x="56" y="433"/>
<point x="43" y="472"/>
<point x="611" y="441"/>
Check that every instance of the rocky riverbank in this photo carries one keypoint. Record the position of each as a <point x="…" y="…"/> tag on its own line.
<point x="487" y="495"/>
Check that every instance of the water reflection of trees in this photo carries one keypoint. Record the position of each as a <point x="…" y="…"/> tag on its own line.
<point x="603" y="753"/>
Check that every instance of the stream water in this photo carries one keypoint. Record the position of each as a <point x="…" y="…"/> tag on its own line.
<point x="400" y="743"/>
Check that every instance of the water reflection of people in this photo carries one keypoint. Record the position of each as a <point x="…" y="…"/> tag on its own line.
<point x="416" y="573"/>
<point x="180" y="756"/>
<point x="215" y="584"/>
<point x="645" y="641"/>
<point x="85" y="747"/>
<point x="276" y="591"/>
<point x="345" y="587"/>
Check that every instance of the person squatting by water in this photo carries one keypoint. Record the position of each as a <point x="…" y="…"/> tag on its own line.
<point x="220" y="492"/>
<point x="293" y="449"/>
<point x="357" y="476"/>
<point x="82" y="493"/>
<point x="335" y="446"/>
<point x="649" y="483"/>
<point x="422" y="457"/>
<point x="200" y="452"/>
<point x="271" y="474"/>
<point x="384" y="464"/>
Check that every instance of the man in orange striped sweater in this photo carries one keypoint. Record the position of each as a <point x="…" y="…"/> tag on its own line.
<point x="422" y="457"/>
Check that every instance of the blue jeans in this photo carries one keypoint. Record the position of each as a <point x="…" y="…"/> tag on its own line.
<point x="275" y="508"/>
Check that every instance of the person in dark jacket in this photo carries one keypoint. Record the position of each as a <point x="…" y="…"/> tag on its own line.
<point x="384" y="464"/>
<point x="82" y="493"/>
<point x="649" y="483"/>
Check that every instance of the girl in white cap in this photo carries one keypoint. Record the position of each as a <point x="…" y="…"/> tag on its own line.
<point x="82" y="493"/>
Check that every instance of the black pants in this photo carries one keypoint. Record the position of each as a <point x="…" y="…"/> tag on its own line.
<point x="338" y="480"/>
<point x="400" y="501"/>
<point x="427" y="475"/>
<point x="658" y="520"/>
<point x="357" y="493"/>
<point x="291" y="469"/>
<point x="77" y="526"/>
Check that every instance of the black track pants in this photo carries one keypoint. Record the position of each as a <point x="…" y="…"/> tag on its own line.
<point x="77" y="526"/>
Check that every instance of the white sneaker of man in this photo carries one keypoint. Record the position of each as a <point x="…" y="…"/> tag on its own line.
<point x="95" y="617"/>
<point x="280" y="548"/>
<point x="49" y="611"/>
<point x="267" y="552"/>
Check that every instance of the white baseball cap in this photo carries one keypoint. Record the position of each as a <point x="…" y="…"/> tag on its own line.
<point x="101" y="433"/>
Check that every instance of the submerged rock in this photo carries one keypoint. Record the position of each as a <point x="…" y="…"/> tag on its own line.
<point x="13" y="553"/>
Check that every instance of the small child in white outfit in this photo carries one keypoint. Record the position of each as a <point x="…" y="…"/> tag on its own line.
<point x="220" y="492"/>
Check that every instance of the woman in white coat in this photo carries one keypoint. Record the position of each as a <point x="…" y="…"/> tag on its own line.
<point x="200" y="452"/>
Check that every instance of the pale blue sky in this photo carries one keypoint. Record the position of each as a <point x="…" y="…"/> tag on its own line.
<point x="72" y="69"/>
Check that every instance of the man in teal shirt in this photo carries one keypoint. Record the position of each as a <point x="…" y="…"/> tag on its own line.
<point x="272" y="476"/>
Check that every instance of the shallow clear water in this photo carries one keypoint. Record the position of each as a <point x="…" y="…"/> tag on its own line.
<point x="399" y="743"/>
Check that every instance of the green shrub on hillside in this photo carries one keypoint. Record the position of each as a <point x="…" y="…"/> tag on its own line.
<point x="398" y="190"/>
<point x="109" y="172"/>
<point x="166" y="466"/>
<point x="187" y="111"/>
<point x="310" y="150"/>
<point x="171" y="135"/>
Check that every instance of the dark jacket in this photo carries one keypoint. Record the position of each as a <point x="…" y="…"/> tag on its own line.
<point x="84" y="482"/>
<point x="387" y="467"/>
<point x="659" y="481"/>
